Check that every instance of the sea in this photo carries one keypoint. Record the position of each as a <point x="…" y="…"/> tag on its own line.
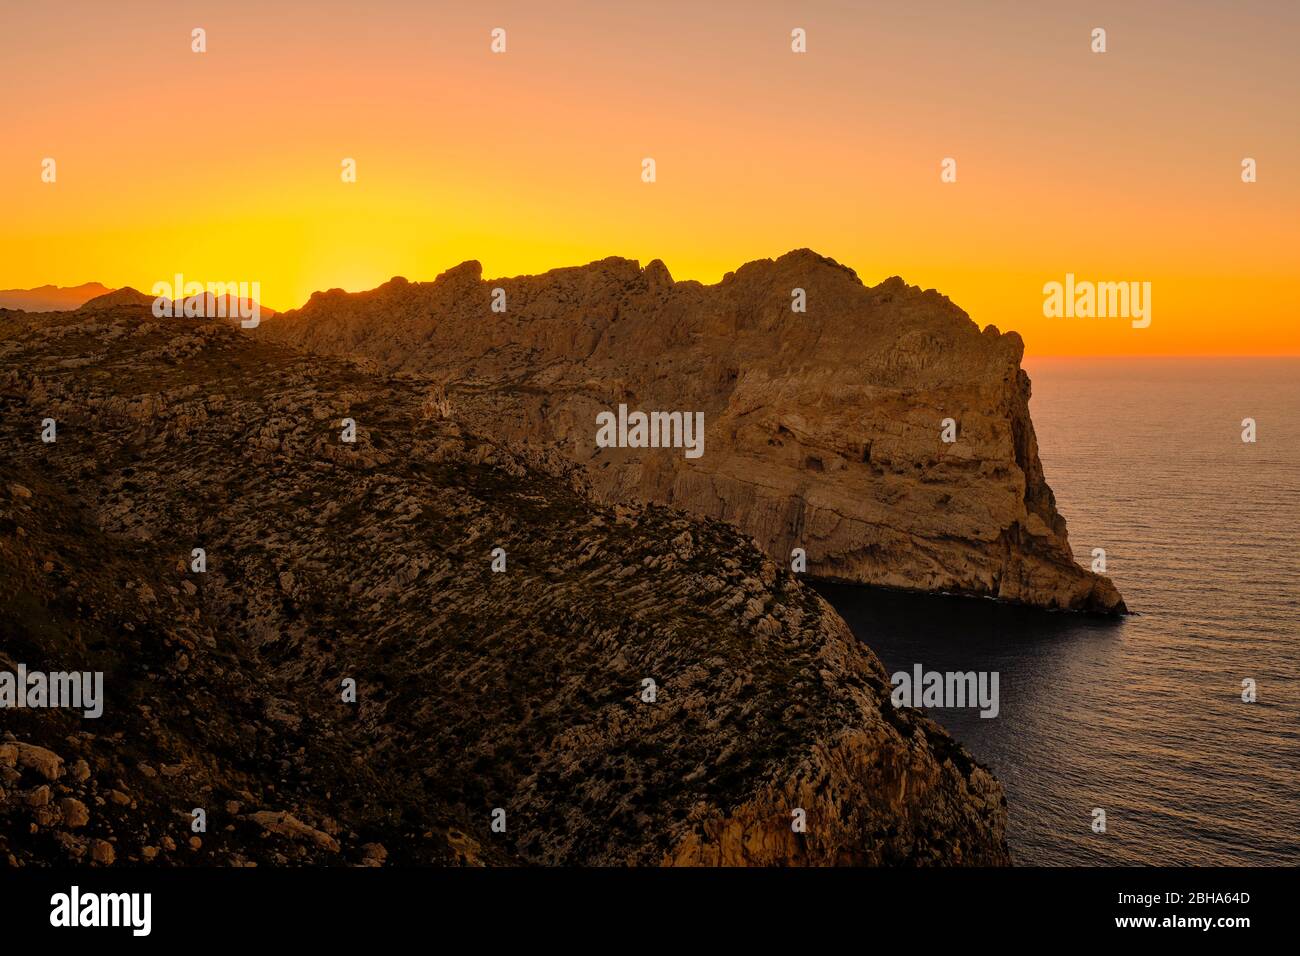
<point x="1142" y="718"/>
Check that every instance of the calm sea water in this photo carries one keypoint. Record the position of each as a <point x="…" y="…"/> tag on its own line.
<point x="1144" y="717"/>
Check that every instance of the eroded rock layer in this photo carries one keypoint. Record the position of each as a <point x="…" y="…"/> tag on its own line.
<point x="823" y="428"/>
<point x="325" y="560"/>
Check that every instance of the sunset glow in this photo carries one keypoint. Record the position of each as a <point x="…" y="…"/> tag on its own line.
<point x="225" y="166"/>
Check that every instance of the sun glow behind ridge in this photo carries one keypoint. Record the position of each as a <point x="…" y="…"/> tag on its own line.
<point x="225" y="166"/>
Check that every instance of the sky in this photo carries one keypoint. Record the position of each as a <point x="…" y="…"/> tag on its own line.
<point x="1116" y="166"/>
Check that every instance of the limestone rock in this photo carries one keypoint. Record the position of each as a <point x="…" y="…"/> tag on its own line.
<point x="823" y="428"/>
<point x="287" y="825"/>
<point x="102" y="852"/>
<point x="43" y="761"/>
<point x="75" y="813"/>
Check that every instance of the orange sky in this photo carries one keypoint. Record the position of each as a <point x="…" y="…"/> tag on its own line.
<point x="1116" y="166"/>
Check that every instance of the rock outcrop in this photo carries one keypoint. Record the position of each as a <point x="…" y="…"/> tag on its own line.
<point x="327" y="561"/>
<point x="823" y="428"/>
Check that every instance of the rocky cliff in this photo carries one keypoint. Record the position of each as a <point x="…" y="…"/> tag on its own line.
<point x="371" y="561"/>
<point x="824" y="427"/>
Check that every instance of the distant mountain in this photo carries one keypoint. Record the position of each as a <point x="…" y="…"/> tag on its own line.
<point x="110" y="300"/>
<point x="94" y="296"/>
<point x="225" y="306"/>
<point x="51" y="298"/>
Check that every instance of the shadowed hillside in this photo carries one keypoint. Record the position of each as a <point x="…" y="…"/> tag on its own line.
<point x="370" y="561"/>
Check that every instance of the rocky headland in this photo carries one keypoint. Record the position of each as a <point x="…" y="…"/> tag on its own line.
<point x="824" y="428"/>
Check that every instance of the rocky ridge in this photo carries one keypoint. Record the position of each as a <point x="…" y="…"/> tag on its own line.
<point x="823" y="428"/>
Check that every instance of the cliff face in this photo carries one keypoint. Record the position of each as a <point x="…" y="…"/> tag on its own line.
<point x="475" y="690"/>
<point x="823" y="428"/>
